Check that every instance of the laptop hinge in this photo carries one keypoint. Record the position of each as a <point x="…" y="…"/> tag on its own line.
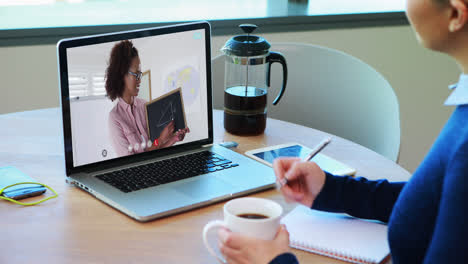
<point x="207" y="145"/>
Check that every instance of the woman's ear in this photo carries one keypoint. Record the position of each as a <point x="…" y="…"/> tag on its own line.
<point x="459" y="16"/>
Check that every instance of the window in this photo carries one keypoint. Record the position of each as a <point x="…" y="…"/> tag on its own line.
<point x="86" y="84"/>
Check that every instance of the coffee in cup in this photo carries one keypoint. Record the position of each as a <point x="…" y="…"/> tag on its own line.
<point x="252" y="216"/>
<point x="255" y="217"/>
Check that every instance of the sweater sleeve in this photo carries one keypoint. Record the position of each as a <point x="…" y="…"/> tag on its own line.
<point x="285" y="258"/>
<point x="448" y="243"/>
<point x="358" y="197"/>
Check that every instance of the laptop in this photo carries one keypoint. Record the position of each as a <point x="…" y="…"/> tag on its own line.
<point x="140" y="180"/>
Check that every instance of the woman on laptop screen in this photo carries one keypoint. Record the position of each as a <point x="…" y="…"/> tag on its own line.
<point x="127" y="120"/>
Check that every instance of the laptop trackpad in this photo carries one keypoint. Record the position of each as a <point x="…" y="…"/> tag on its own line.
<point x="205" y="187"/>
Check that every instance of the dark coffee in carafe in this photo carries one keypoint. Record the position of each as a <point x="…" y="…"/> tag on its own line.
<point x="245" y="110"/>
<point x="247" y="77"/>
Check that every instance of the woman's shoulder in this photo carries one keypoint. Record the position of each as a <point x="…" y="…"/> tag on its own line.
<point x="460" y="123"/>
<point x="454" y="135"/>
<point x="114" y="109"/>
<point x="458" y="156"/>
<point x="460" y="115"/>
<point x="115" y="113"/>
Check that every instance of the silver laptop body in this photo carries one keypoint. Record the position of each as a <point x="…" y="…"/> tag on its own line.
<point x="87" y="154"/>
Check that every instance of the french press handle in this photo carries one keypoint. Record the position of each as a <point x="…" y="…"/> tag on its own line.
<point x="272" y="58"/>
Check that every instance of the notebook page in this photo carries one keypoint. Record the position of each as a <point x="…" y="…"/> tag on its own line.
<point x="338" y="233"/>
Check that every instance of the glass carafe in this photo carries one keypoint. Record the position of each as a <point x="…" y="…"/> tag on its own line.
<point x="247" y="79"/>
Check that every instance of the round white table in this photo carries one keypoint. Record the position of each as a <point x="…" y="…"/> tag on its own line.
<point x="77" y="228"/>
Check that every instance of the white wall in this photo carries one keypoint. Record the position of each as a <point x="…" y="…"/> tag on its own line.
<point x="91" y="141"/>
<point x="419" y="77"/>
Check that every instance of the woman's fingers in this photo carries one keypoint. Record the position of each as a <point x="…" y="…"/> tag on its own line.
<point x="226" y="248"/>
<point x="282" y="235"/>
<point x="295" y="171"/>
<point x="230" y="239"/>
<point x="282" y="165"/>
<point x="181" y="135"/>
<point x="278" y="168"/>
<point x="231" y="255"/>
<point x="292" y="195"/>
<point x="291" y="169"/>
<point x="167" y="130"/>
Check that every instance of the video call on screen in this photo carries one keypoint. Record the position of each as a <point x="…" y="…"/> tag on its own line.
<point x="168" y="63"/>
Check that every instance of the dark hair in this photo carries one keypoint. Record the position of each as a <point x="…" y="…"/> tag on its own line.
<point x="120" y="59"/>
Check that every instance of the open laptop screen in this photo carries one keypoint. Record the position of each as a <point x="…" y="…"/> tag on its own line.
<point x="110" y="84"/>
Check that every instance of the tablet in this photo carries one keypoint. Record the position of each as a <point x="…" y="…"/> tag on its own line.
<point x="326" y="163"/>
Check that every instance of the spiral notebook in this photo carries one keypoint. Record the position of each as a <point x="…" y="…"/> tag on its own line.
<point x="337" y="235"/>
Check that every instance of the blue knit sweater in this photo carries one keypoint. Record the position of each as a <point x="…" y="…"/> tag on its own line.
<point x="428" y="216"/>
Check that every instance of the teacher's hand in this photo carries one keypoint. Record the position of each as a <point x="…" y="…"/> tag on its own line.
<point x="181" y="133"/>
<point x="166" y="133"/>
<point x="305" y="179"/>
<point x="241" y="249"/>
<point x="175" y="137"/>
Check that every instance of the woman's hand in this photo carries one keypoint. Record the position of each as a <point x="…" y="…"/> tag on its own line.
<point x="168" y="138"/>
<point x="305" y="179"/>
<point x="241" y="249"/>
<point x="177" y="136"/>
<point x="181" y="133"/>
<point x="166" y="133"/>
<point x="165" y="138"/>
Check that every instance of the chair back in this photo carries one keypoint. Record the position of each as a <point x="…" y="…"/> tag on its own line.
<point x="331" y="91"/>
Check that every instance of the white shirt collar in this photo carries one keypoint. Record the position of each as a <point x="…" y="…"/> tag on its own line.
<point x="459" y="94"/>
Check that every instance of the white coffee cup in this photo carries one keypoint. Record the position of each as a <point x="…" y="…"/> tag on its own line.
<point x="264" y="228"/>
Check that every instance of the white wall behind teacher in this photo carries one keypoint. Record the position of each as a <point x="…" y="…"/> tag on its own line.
<point x="419" y="77"/>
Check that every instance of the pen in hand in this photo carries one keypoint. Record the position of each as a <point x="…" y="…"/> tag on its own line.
<point x="284" y="181"/>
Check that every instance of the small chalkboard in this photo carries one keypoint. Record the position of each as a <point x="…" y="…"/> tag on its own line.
<point x="162" y="110"/>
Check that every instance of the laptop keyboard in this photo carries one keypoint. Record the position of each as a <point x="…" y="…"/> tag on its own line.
<point x="165" y="171"/>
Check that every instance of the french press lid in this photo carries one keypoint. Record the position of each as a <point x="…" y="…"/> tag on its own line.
<point x="246" y="45"/>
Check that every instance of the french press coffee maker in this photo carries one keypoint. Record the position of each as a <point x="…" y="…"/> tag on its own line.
<point x="247" y="79"/>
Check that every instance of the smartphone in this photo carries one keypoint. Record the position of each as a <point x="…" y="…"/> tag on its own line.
<point x="326" y="163"/>
<point x="10" y="175"/>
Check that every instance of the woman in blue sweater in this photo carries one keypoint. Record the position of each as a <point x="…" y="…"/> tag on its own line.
<point x="427" y="216"/>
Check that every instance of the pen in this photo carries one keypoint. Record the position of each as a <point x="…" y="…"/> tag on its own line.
<point x="312" y="154"/>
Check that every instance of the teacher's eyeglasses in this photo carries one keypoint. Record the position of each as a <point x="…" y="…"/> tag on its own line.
<point x="137" y="75"/>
